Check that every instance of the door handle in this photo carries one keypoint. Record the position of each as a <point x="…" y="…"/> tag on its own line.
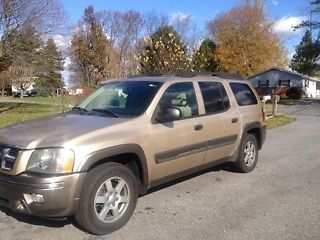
<point x="234" y="120"/>
<point x="198" y="127"/>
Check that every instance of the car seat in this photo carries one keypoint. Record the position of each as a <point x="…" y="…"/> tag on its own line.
<point x="180" y="101"/>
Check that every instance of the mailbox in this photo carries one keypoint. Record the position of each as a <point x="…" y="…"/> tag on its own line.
<point x="275" y="98"/>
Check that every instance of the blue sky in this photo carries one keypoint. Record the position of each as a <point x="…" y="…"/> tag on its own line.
<point x="285" y="13"/>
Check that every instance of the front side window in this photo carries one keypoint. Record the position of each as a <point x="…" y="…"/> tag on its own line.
<point x="123" y="98"/>
<point x="243" y="94"/>
<point x="214" y="96"/>
<point x="181" y="96"/>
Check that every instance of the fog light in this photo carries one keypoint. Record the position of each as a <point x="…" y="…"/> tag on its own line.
<point x="37" y="198"/>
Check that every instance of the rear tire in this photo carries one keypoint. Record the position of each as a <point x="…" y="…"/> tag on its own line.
<point x="248" y="155"/>
<point x="108" y="198"/>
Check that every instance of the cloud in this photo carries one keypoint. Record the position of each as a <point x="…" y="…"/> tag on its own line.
<point x="284" y="26"/>
<point x="274" y="2"/>
<point x="62" y="41"/>
<point x="180" y="17"/>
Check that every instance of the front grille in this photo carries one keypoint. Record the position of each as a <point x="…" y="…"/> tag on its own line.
<point x="8" y="156"/>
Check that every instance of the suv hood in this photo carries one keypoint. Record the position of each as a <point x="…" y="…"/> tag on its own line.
<point x="54" y="131"/>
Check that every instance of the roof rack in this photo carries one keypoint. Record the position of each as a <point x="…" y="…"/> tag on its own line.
<point x="147" y="75"/>
<point x="214" y="74"/>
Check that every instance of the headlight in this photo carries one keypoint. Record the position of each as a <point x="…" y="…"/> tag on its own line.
<point x="51" y="161"/>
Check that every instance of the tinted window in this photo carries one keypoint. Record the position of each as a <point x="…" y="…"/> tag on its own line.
<point x="214" y="96"/>
<point x="243" y="94"/>
<point x="182" y="96"/>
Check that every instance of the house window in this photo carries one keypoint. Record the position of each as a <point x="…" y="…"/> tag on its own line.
<point x="284" y="83"/>
<point x="318" y="85"/>
<point x="263" y="83"/>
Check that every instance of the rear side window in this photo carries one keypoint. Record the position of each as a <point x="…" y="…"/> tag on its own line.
<point x="214" y="96"/>
<point x="243" y="94"/>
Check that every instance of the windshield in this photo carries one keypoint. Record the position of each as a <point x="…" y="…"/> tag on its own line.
<point x="123" y="98"/>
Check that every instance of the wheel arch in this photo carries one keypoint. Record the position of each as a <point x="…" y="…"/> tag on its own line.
<point x="131" y="155"/>
<point x="258" y="130"/>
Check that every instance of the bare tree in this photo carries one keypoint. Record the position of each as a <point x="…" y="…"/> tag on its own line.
<point x="123" y="30"/>
<point x="44" y="16"/>
<point x="22" y="77"/>
<point x="188" y="30"/>
<point x="182" y="24"/>
<point x="153" y="20"/>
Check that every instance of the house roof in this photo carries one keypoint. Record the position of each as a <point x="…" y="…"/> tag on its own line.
<point x="286" y="71"/>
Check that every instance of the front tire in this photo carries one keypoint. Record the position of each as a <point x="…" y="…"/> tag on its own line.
<point x="108" y="198"/>
<point x="248" y="155"/>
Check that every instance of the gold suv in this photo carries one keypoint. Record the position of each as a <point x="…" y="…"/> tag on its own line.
<point x="127" y="137"/>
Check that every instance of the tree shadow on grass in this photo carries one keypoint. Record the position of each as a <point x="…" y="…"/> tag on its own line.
<point x="4" y="107"/>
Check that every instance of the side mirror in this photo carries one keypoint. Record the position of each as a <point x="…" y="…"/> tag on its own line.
<point x="169" y="114"/>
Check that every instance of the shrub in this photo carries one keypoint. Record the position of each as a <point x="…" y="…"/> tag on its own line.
<point x="294" y="93"/>
<point x="43" y="94"/>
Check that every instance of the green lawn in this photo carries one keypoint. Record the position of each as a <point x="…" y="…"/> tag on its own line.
<point x="276" y="122"/>
<point x="11" y="113"/>
<point x="13" y="110"/>
<point x="67" y="101"/>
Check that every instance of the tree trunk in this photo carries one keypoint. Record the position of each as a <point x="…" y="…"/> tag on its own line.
<point x="21" y="93"/>
<point x="2" y="93"/>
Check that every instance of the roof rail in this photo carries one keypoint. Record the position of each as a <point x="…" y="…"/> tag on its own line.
<point x="215" y="74"/>
<point x="147" y="75"/>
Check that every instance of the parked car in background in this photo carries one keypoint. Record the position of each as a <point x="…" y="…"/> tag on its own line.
<point x="29" y="93"/>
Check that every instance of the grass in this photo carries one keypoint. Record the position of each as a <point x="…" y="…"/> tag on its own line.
<point x="278" y="121"/>
<point x="291" y="101"/>
<point x="13" y="110"/>
<point x="11" y="113"/>
<point x="68" y="101"/>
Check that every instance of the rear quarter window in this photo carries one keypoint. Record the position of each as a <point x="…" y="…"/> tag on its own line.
<point x="243" y="94"/>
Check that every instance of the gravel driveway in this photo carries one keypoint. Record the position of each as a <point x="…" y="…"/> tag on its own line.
<point x="280" y="199"/>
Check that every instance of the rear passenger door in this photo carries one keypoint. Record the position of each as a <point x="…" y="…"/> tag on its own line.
<point x="221" y="121"/>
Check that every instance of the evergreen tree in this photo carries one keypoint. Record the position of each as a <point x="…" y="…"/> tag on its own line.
<point x="203" y="58"/>
<point x="305" y="59"/>
<point x="164" y="53"/>
<point x="26" y="57"/>
<point x="49" y="76"/>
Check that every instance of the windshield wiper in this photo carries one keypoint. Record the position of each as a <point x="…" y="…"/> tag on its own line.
<point x="80" y="109"/>
<point x="105" y="111"/>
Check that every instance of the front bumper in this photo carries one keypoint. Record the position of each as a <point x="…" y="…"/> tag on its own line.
<point x="60" y="194"/>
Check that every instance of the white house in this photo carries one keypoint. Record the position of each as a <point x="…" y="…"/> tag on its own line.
<point x="274" y="79"/>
